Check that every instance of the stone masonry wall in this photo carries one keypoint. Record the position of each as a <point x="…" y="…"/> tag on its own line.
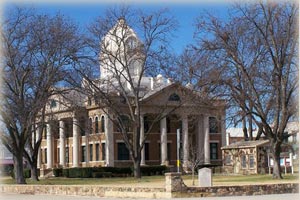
<point x="174" y="187"/>
<point x="219" y="191"/>
<point x="85" y="190"/>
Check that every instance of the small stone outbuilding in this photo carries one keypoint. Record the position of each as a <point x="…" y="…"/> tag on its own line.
<point x="245" y="157"/>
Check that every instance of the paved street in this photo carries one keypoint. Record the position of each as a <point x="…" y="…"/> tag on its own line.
<point x="54" y="197"/>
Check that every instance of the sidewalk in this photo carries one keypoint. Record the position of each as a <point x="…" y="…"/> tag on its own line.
<point x="54" y="197"/>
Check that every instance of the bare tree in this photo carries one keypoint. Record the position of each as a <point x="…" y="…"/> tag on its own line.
<point x="126" y="57"/>
<point x="194" y="159"/>
<point x="256" y="52"/>
<point x="37" y="52"/>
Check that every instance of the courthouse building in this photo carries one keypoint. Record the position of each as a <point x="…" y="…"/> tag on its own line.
<point x="80" y="131"/>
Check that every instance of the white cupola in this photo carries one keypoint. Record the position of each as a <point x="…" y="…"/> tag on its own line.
<point x="120" y="50"/>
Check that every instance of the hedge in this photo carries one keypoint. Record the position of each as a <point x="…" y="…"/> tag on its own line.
<point x="97" y="172"/>
<point x="26" y="173"/>
<point x="153" y="170"/>
<point x="57" y="172"/>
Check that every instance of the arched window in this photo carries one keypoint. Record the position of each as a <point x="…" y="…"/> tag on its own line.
<point x="53" y="103"/>
<point x="90" y="125"/>
<point x="174" y="97"/>
<point x="102" y="124"/>
<point x="96" y="125"/>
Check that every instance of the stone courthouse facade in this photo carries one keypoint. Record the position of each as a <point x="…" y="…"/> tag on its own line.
<point x="85" y="135"/>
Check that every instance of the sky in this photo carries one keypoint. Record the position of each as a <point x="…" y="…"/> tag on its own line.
<point x="84" y="12"/>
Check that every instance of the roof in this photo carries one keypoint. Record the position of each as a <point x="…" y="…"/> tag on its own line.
<point x="246" y="144"/>
<point x="157" y="90"/>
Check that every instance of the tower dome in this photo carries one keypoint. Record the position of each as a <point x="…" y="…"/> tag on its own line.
<point x="119" y="50"/>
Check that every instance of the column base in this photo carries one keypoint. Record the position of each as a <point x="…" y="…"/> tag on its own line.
<point x="166" y="163"/>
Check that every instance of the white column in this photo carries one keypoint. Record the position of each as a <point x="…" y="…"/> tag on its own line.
<point x="206" y="140"/>
<point x="142" y="132"/>
<point x="185" y="133"/>
<point x="75" y="142"/>
<point x="49" y="147"/>
<point x="62" y="143"/>
<point x="200" y="138"/>
<point x="163" y="141"/>
<point x="39" y="135"/>
<point x="109" y="146"/>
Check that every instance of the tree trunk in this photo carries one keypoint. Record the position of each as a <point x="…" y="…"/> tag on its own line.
<point x="245" y="129"/>
<point x="137" y="168"/>
<point x="18" y="169"/>
<point x="250" y="127"/>
<point x="275" y="151"/>
<point x="34" y="172"/>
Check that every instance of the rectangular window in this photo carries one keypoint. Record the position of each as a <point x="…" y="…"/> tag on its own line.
<point x="169" y="152"/>
<point x="82" y="126"/>
<point x="45" y="132"/>
<point x="67" y="155"/>
<point x="213" y="125"/>
<point x="83" y="153"/>
<point x="228" y="160"/>
<point x="213" y="151"/>
<point x="58" y="159"/>
<point x="123" y="153"/>
<point x="146" y="147"/>
<point x="103" y="151"/>
<point x="45" y="155"/>
<point x="251" y="161"/>
<point x="91" y="152"/>
<point x="97" y="152"/>
<point x="244" y="161"/>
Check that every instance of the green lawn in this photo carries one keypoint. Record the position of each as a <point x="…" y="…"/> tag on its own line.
<point x="245" y="179"/>
<point x="159" y="181"/>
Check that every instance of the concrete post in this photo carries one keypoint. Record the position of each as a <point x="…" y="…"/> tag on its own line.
<point x="174" y="184"/>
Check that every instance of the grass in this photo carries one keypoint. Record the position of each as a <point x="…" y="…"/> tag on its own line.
<point x="246" y="179"/>
<point x="159" y="181"/>
<point x="154" y="181"/>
